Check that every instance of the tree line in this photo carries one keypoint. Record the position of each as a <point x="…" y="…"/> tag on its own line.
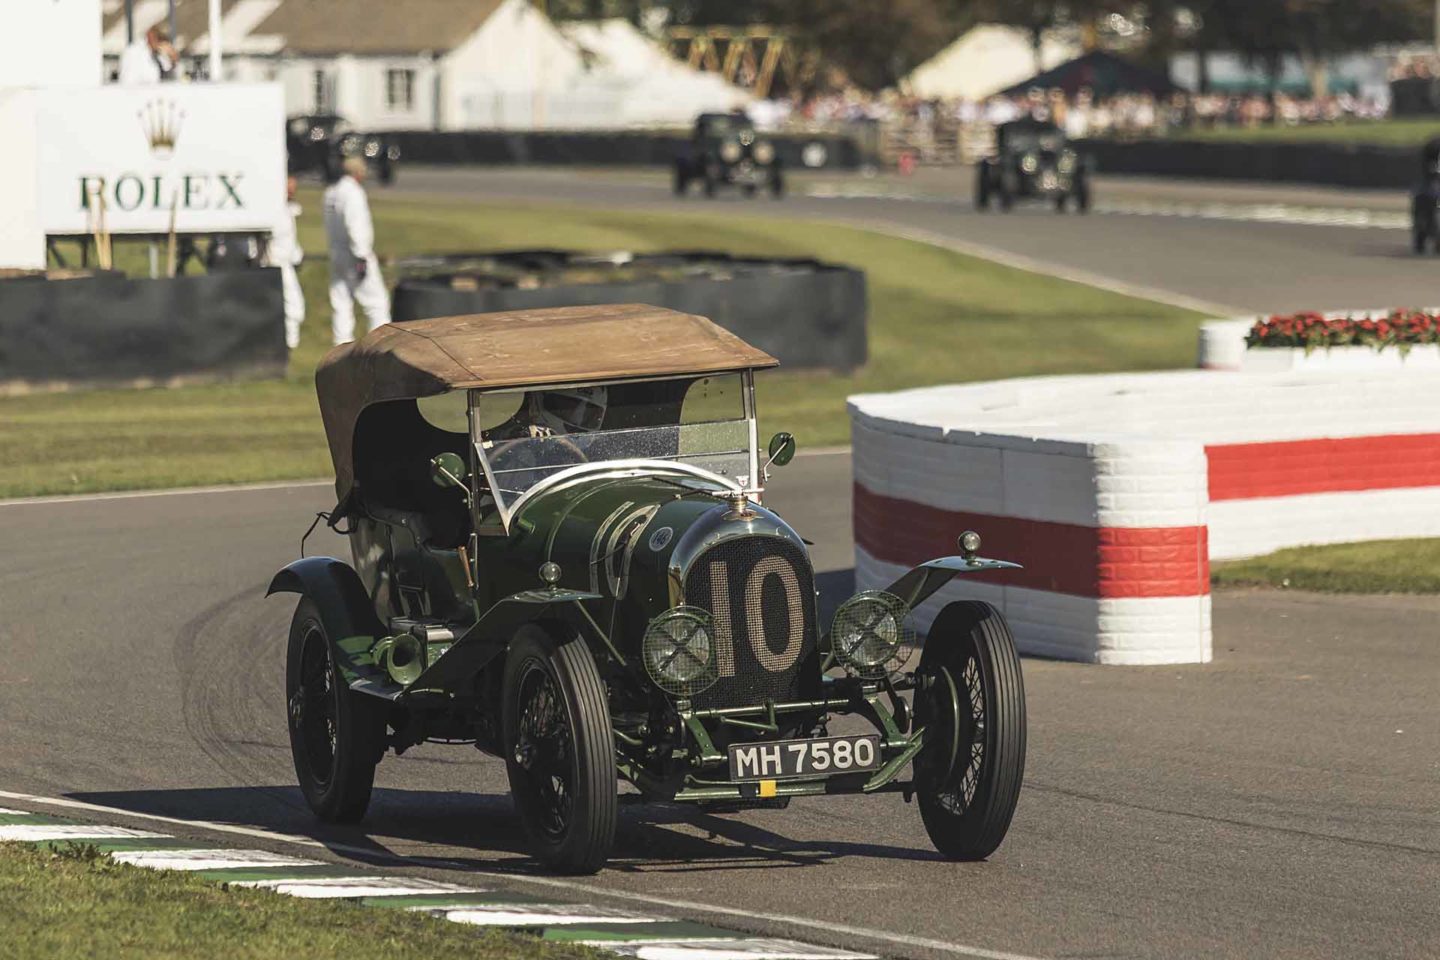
<point x="877" y="42"/>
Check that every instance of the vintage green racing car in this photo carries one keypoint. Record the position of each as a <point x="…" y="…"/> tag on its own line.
<point x="561" y="556"/>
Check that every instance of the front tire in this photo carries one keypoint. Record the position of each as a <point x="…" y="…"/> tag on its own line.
<point x="337" y="736"/>
<point x="559" y="750"/>
<point x="968" y="775"/>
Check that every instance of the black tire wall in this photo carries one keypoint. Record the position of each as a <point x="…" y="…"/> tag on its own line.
<point x="1323" y="164"/>
<point x="598" y="148"/>
<point x="113" y="330"/>
<point x="812" y="316"/>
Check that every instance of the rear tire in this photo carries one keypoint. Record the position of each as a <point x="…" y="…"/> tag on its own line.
<point x="1082" y="194"/>
<point x="969" y="773"/>
<point x="982" y="187"/>
<point x="337" y="736"/>
<point x="682" y="180"/>
<point x="777" y="185"/>
<point x="710" y="182"/>
<point x="560" y="751"/>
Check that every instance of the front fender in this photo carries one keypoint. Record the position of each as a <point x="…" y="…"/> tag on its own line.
<point x="489" y="636"/>
<point x="345" y="610"/>
<point x="920" y="582"/>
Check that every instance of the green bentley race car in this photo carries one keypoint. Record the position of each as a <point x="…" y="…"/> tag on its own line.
<point x="561" y="556"/>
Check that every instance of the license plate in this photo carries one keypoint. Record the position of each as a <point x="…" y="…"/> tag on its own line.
<point x="777" y="759"/>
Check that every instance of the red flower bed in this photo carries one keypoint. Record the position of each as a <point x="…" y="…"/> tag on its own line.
<point x="1401" y="329"/>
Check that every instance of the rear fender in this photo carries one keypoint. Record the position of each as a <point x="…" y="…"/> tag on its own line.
<point x="920" y="582"/>
<point x="345" y="610"/>
<point x="489" y="637"/>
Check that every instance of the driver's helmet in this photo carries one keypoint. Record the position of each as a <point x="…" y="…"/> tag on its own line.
<point x="570" y="410"/>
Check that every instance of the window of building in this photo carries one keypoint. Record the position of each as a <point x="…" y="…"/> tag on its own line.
<point x="400" y="88"/>
<point x="323" y="91"/>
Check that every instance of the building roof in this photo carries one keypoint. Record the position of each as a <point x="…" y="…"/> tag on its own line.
<point x="376" y="26"/>
<point x="313" y="26"/>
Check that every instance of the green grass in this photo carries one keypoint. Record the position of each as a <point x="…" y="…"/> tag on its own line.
<point x="1380" y="566"/>
<point x="75" y="904"/>
<point x="1392" y="133"/>
<point x="935" y="317"/>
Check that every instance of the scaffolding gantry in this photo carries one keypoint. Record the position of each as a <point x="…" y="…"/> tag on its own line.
<point x="754" y="58"/>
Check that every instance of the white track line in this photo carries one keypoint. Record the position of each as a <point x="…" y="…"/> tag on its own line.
<point x="168" y="492"/>
<point x="342" y="888"/>
<point x="539" y="914"/>
<point x="1019" y="261"/>
<point x="867" y="933"/>
<point x="748" y="949"/>
<point x="40" y="832"/>
<point x="210" y="859"/>
<point x="251" y="487"/>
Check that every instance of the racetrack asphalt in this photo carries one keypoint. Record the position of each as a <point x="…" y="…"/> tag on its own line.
<point x="1241" y="259"/>
<point x="1278" y="802"/>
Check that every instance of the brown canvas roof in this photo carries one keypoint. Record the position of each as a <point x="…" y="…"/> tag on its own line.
<point x="521" y="348"/>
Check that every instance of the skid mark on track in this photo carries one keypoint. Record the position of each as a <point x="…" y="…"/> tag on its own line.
<point x="232" y="687"/>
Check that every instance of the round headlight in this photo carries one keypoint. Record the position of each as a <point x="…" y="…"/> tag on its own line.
<point x="764" y="151"/>
<point x="1030" y="163"/>
<point x="730" y="151"/>
<point x="870" y="632"/>
<point x="679" y="651"/>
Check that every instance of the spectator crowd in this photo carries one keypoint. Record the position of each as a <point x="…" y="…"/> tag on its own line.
<point x="1080" y="115"/>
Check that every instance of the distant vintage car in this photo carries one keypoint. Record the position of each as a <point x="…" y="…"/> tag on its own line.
<point x="1033" y="160"/>
<point x="561" y="556"/>
<point x="725" y="150"/>
<point x="318" y="142"/>
<point x="1425" y="201"/>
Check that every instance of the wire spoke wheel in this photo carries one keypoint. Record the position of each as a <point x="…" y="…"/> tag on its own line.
<point x="314" y="711"/>
<point x="336" y="736"/>
<point x="971" y="703"/>
<point x="544" y="750"/>
<point x="560" y="750"/>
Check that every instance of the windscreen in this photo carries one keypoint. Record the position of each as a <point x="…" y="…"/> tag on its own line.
<point x="699" y="422"/>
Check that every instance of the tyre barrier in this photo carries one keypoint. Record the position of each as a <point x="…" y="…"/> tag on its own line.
<point x="823" y="306"/>
<point x="1325" y="164"/>
<point x="1116" y="491"/>
<point x="797" y="151"/>
<point x="111" y="330"/>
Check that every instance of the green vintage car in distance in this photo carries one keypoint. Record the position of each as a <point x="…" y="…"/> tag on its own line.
<point x="561" y="557"/>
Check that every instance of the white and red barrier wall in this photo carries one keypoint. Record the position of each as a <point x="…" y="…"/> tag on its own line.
<point x="1116" y="491"/>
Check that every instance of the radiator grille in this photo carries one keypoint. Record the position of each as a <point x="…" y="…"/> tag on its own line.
<point x="761" y="596"/>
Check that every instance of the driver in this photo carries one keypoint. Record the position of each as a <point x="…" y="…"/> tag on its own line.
<point x="542" y="414"/>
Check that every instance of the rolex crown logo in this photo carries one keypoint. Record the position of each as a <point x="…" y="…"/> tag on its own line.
<point x="160" y="120"/>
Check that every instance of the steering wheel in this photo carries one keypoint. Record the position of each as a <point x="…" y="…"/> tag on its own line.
<point x="514" y="449"/>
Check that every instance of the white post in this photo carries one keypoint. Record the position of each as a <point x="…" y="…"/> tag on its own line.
<point x="215" y="41"/>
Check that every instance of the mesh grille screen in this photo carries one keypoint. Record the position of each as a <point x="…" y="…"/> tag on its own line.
<point x="761" y="597"/>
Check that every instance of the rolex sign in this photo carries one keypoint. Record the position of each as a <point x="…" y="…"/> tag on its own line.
<point x="135" y="159"/>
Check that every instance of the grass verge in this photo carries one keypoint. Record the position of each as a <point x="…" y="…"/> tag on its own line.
<point x="1389" y="133"/>
<point x="1379" y="566"/>
<point x="76" y="903"/>
<point x="935" y="317"/>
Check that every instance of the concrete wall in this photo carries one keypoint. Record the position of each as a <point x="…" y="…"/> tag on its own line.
<point x="1116" y="491"/>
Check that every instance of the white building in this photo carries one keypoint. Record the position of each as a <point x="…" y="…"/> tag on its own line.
<point x="988" y="58"/>
<point x="430" y="64"/>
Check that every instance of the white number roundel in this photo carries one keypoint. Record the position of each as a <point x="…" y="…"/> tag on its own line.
<point x="771" y="659"/>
